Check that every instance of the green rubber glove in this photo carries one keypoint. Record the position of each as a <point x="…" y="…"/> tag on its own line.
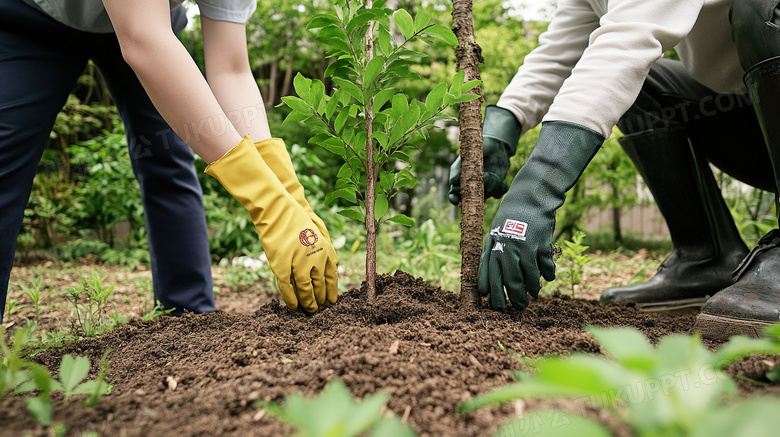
<point x="519" y="246"/>
<point x="500" y="133"/>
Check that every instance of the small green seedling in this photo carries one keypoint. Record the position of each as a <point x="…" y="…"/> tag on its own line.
<point x="18" y="376"/>
<point x="35" y="295"/>
<point x="368" y="120"/>
<point x="571" y="265"/>
<point x="335" y="414"/>
<point x="158" y="311"/>
<point x="674" y="389"/>
<point x="574" y="260"/>
<point x="89" y="306"/>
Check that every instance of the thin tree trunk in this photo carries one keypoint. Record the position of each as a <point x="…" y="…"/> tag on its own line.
<point x="272" y="85"/>
<point x="469" y="56"/>
<point x="371" y="170"/>
<point x="288" y="77"/>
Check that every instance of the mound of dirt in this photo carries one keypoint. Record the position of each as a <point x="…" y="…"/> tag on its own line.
<point x="413" y="343"/>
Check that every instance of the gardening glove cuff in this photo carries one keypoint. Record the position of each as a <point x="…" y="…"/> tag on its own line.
<point x="297" y="252"/>
<point x="274" y="153"/>
<point x="500" y="134"/>
<point x="518" y="249"/>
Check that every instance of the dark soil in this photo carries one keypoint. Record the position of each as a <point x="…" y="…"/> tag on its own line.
<point x="413" y="343"/>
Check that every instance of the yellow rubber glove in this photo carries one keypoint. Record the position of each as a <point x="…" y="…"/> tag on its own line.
<point x="296" y="250"/>
<point x="274" y="153"/>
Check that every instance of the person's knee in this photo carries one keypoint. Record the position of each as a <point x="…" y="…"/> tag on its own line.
<point x="755" y="26"/>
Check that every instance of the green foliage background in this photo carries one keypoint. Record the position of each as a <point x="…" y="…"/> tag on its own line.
<point x="85" y="201"/>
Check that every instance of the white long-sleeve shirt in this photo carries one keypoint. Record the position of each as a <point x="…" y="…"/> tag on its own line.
<point x="592" y="61"/>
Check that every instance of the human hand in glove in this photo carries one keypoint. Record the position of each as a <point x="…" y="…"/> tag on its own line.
<point x="500" y="133"/>
<point x="274" y="153"/>
<point x="299" y="255"/>
<point x="519" y="247"/>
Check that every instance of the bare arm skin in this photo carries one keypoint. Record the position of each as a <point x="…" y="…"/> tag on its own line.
<point x="231" y="79"/>
<point x="173" y="81"/>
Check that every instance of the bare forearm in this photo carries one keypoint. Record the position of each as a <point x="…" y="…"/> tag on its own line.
<point x="231" y="79"/>
<point x="171" y="79"/>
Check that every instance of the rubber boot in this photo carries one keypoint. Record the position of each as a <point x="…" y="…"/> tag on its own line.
<point x="753" y="302"/>
<point x="707" y="245"/>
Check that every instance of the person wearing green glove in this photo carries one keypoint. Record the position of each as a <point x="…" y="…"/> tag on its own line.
<point x="599" y="65"/>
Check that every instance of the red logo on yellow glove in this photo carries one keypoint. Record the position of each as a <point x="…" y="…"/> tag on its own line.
<point x="308" y="237"/>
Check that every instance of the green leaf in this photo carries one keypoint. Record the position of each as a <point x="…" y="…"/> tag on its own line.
<point x="365" y="414"/>
<point x="400" y="103"/>
<point x="40" y="409"/>
<point x="583" y="373"/>
<point x="381" y="137"/>
<point x="753" y="417"/>
<point x="773" y="331"/>
<point x="333" y="103"/>
<point x="404" y="22"/>
<point x="523" y="390"/>
<point x="421" y="20"/>
<point x="317" y="94"/>
<point x="627" y="345"/>
<point x="344" y="193"/>
<point x="340" y="120"/>
<point x="457" y="82"/>
<point x="351" y="89"/>
<point x="381" y="206"/>
<point x="384" y="42"/>
<point x="336" y="43"/>
<point x="373" y="68"/>
<point x="363" y="16"/>
<point x="335" y="66"/>
<point x="302" y="86"/>
<point x="470" y="85"/>
<point x="333" y="145"/>
<point x="741" y="346"/>
<point x="386" y="179"/>
<point x="41" y="376"/>
<point x="96" y="388"/>
<point x="354" y="213"/>
<point x="465" y="98"/>
<point x="402" y="219"/>
<point x="404" y="178"/>
<point x="408" y="121"/>
<point x="443" y="33"/>
<point x="294" y="116"/>
<point x="435" y="97"/>
<point x="383" y="96"/>
<point x="392" y="427"/>
<point x="359" y="143"/>
<point x="554" y="423"/>
<point x="333" y="31"/>
<point x="774" y="373"/>
<point x="296" y="104"/>
<point x="72" y="372"/>
<point x="322" y="20"/>
<point x="345" y="172"/>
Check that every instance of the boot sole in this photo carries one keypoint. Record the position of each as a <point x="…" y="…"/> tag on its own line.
<point x="673" y="305"/>
<point x="720" y="328"/>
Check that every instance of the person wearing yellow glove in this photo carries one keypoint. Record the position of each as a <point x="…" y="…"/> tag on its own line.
<point x="301" y="256"/>
<point x="219" y="119"/>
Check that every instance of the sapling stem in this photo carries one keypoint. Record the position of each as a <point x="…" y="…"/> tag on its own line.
<point x="371" y="170"/>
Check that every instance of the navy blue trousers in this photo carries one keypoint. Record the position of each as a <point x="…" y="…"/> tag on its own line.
<point x="40" y="60"/>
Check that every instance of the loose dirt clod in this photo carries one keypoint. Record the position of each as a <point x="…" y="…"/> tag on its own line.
<point x="225" y="362"/>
